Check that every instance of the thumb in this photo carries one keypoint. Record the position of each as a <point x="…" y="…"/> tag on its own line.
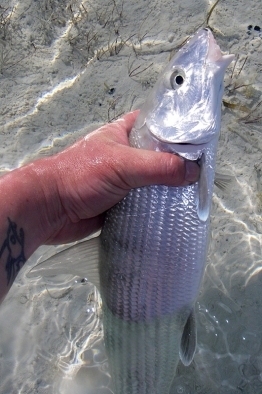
<point x="145" y="167"/>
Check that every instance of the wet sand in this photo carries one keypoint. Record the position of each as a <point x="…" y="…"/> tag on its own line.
<point x="67" y="69"/>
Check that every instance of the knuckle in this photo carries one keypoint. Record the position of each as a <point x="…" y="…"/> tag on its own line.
<point x="174" y="170"/>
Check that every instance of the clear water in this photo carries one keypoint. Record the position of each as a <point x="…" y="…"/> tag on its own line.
<point x="59" y="66"/>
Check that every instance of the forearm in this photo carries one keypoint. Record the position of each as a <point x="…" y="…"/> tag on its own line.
<point x="23" y="220"/>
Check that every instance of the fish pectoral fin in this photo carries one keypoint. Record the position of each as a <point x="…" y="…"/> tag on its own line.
<point x="188" y="340"/>
<point x="203" y="198"/>
<point x="223" y="181"/>
<point x="80" y="259"/>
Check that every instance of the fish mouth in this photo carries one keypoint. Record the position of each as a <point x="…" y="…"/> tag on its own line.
<point x="214" y="54"/>
<point x="187" y="151"/>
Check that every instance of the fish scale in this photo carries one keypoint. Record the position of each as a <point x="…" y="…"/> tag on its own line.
<point x="152" y="268"/>
<point x="142" y="355"/>
<point x="149" y="272"/>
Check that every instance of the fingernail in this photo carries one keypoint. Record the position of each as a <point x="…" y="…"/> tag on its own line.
<point x="192" y="171"/>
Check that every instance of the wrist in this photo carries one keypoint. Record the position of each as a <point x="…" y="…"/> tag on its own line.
<point x="51" y="218"/>
<point x="30" y="214"/>
<point x="29" y="198"/>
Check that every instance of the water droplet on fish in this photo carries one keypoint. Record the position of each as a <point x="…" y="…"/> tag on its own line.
<point x="83" y="281"/>
<point x="90" y="310"/>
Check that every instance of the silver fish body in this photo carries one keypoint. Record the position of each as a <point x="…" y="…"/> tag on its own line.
<point x="153" y="249"/>
<point x="154" y="242"/>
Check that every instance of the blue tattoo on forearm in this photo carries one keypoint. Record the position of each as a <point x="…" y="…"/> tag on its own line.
<point x="12" y="251"/>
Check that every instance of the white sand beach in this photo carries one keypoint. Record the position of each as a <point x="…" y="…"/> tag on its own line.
<point x="67" y="67"/>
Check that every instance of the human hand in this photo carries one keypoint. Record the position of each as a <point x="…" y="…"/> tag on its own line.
<point x="64" y="197"/>
<point x="97" y="172"/>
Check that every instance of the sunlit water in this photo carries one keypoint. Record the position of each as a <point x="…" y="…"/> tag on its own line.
<point x="80" y="76"/>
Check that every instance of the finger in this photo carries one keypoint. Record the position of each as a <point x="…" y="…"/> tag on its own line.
<point x="146" y="167"/>
<point x="118" y="130"/>
<point x="128" y="120"/>
<point x="75" y="231"/>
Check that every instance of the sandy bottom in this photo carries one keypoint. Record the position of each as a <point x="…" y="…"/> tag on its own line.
<point x="64" y="70"/>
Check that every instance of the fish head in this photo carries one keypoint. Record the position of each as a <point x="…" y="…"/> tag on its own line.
<point x="184" y="106"/>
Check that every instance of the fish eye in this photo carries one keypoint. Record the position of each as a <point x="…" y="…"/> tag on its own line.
<point x="177" y="79"/>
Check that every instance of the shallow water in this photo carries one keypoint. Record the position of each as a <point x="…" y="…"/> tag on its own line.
<point x="64" y="71"/>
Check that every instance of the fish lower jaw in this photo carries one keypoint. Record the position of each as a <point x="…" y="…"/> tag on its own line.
<point x="143" y="138"/>
<point x="187" y="151"/>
